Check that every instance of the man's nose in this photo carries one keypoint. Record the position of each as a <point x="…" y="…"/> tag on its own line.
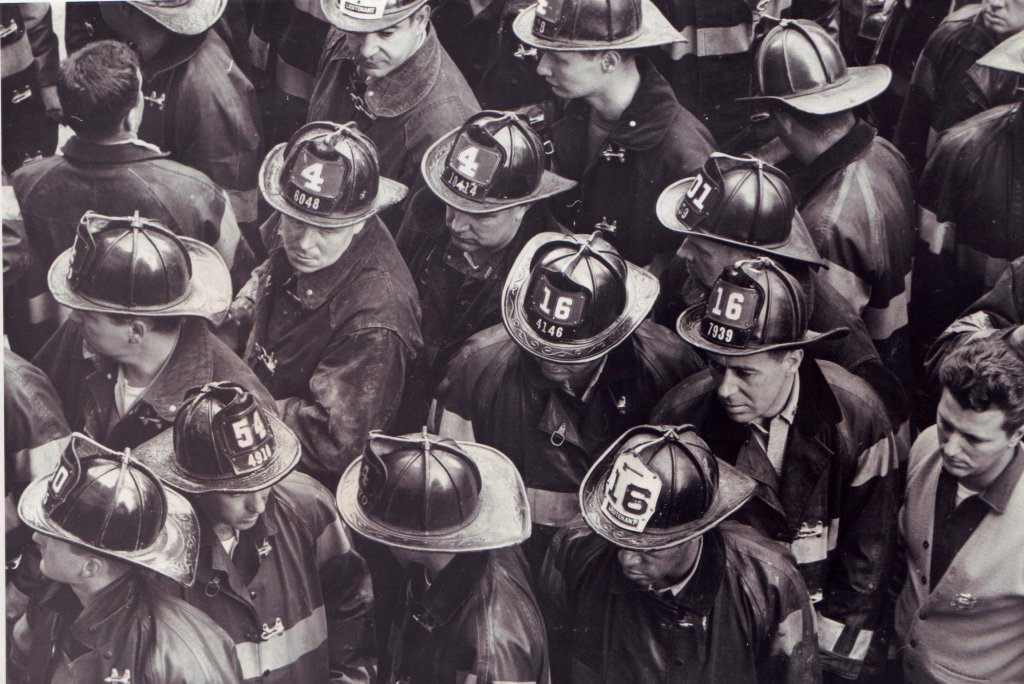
<point x="544" y="65"/>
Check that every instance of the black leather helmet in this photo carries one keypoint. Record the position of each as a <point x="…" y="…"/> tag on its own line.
<point x="755" y="306"/>
<point x="799" y="65"/>
<point x="580" y="25"/>
<point x="572" y="298"/>
<point x="121" y="264"/>
<point x="493" y="162"/>
<point x="427" y="493"/>
<point x="104" y="501"/>
<point x="222" y="441"/>
<point x="659" y="486"/>
<point x="742" y="202"/>
<point x="327" y="175"/>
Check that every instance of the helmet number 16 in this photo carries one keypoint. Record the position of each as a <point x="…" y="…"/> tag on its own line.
<point x="733" y="305"/>
<point x="563" y="306"/>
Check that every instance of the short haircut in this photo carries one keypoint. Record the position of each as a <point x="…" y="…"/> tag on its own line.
<point x="986" y="373"/>
<point x="98" y="86"/>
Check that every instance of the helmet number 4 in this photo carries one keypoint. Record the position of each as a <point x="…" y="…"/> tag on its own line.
<point x="314" y="177"/>
<point x="468" y="165"/>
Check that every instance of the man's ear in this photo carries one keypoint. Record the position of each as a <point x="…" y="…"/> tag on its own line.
<point x="421" y="16"/>
<point x="610" y="60"/>
<point x="793" y="359"/>
<point x="92" y="566"/>
<point x="136" y="331"/>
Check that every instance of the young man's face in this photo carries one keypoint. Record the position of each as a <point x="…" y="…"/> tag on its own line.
<point x="309" y="248"/>
<point x="105" y="335"/>
<point x="658" y="569"/>
<point x="59" y="560"/>
<point x="571" y="74"/>
<point x="483" y="233"/>
<point x="755" y="387"/>
<point x="237" y="511"/>
<point x="975" y="444"/>
<point x="1003" y="17"/>
<point x="379" y="53"/>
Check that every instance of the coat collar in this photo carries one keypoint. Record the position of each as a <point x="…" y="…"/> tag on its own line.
<point x="835" y="158"/>
<point x="646" y="120"/>
<point x="998" y="494"/>
<point x="406" y="86"/>
<point x="698" y="595"/>
<point x="312" y="290"/>
<point x="190" y="365"/>
<point x="123" y="152"/>
<point x="99" y="623"/>
<point x="450" y="591"/>
<point x="175" y="51"/>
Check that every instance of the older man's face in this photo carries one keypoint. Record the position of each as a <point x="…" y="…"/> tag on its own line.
<point x="483" y="233"/>
<point x="379" y="53"/>
<point x="754" y="388"/>
<point x="1003" y="17"/>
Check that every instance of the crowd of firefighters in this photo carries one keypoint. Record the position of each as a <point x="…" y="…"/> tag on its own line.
<point x="471" y="341"/>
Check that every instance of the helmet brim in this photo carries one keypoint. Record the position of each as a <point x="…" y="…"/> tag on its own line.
<point x="433" y="164"/>
<point x="503" y="519"/>
<point x="158" y="455"/>
<point x="655" y="29"/>
<point x="799" y="247"/>
<point x="389" y="192"/>
<point x="861" y="85"/>
<point x="345" y="22"/>
<point x="734" y="490"/>
<point x="208" y="296"/>
<point x="688" y="327"/>
<point x="641" y="291"/>
<point x="189" y="19"/>
<point x="174" y="554"/>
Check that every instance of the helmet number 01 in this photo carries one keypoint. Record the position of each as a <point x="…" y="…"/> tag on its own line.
<point x="248" y="430"/>
<point x="699" y="191"/>
<point x="314" y="177"/>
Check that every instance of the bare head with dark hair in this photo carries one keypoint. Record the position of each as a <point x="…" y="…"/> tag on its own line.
<point x="986" y="374"/>
<point x="980" y="419"/>
<point x="98" y="88"/>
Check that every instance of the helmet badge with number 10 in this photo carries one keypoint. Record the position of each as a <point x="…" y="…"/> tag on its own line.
<point x="328" y="176"/>
<point x="573" y="298"/>
<point x="492" y="162"/>
<point x="755" y="306"/>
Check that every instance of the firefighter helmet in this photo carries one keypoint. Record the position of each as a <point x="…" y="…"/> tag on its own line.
<point x="327" y="175"/>
<point x="187" y="17"/>
<point x="573" y="298"/>
<point x="425" y="493"/>
<point x="104" y="501"/>
<point x="222" y="441"/>
<point x="121" y="264"/>
<point x="799" y="65"/>
<point x="755" y="306"/>
<point x="368" y="16"/>
<point x="742" y="202"/>
<point x="660" y="486"/>
<point x="492" y="162"/>
<point x="585" y="25"/>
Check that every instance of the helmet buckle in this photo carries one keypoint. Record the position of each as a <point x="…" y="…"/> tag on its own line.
<point x="117" y="678"/>
<point x="263" y="550"/>
<point x="558" y="436"/>
<point x="607" y="226"/>
<point x="269" y="632"/>
<point x="612" y="151"/>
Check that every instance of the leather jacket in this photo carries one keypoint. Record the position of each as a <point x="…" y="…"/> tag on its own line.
<point x="834" y="501"/>
<point x="132" y="633"/>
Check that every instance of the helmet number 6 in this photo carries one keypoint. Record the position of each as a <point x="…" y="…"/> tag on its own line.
<point x="314" y="175"/>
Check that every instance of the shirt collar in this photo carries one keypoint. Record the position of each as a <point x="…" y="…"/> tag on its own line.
<point x="121" y="152"/>
<point x="837" y="157"/>
<point x="406" y="86"/>
<point x="998" y="494"/>
<point x="678" y="586"/>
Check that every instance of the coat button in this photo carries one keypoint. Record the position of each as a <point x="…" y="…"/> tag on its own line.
<point x="925" y="544"/>
<point x="678" y="662"/>
<point x="924" y="579"/>
<point x="108" y="655"/>
<point x="266" y="673"/>
<point x="252" y="594"/>
<point x="923" y="615"/>
<point x="913" y="643"/>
